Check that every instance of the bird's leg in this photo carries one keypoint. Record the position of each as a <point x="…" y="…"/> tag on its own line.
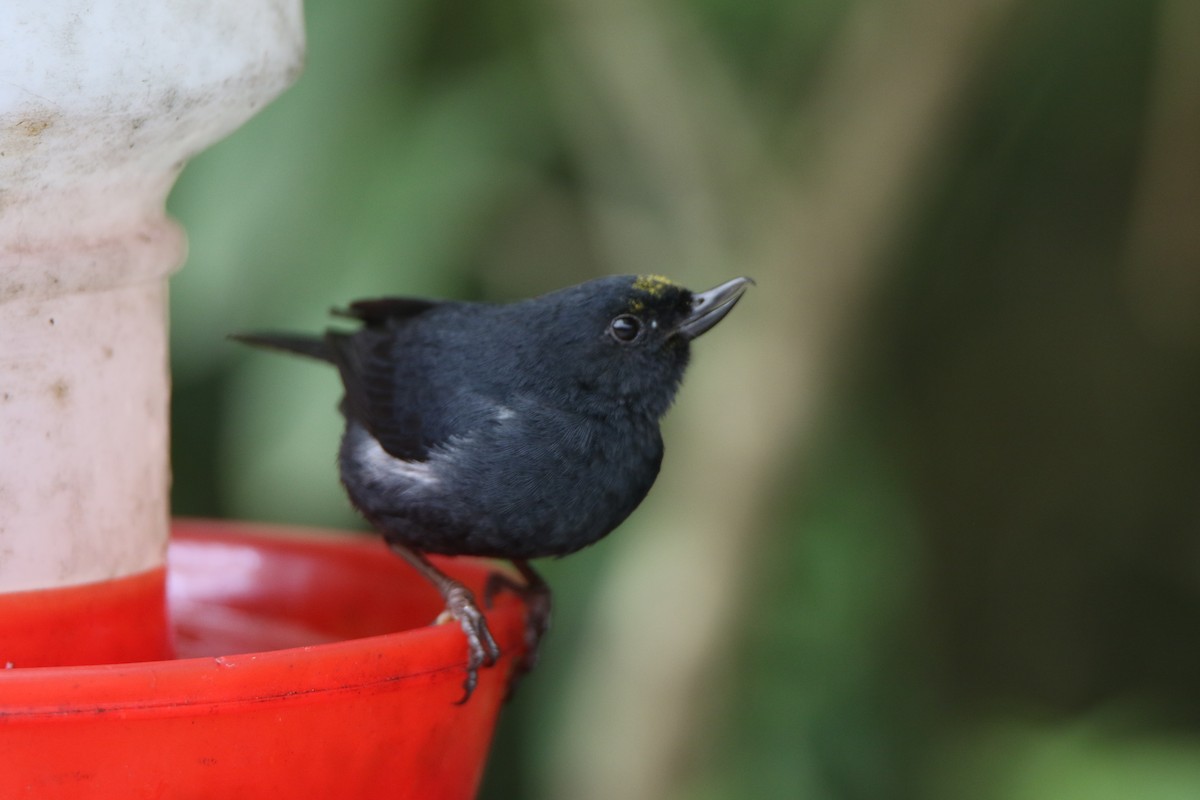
<point x="460" y="606"/>
<point x="536" y="594"/>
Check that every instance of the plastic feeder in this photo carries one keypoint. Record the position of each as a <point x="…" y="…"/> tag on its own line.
<point x="306" y="667"/>
<point x="236" y="662"/>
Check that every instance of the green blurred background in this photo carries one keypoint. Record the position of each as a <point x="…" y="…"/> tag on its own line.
<point x="929" y="520"/>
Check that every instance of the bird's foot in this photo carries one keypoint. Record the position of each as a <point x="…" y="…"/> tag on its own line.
<point x="536" y="594"/>
<point x="482" y="650"/>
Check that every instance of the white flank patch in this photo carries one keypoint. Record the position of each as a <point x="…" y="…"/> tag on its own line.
<point x="380" y="466"/>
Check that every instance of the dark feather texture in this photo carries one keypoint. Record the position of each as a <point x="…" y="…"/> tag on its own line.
<point x="515" y="431"/>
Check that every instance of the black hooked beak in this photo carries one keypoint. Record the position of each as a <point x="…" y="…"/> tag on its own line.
<point x="709" y="308"/>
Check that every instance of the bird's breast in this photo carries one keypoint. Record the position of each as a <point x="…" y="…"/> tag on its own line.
<point x="528" y="486"/>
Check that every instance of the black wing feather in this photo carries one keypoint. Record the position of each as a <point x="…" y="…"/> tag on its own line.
<point x="368" y="369"/>
<point x="394" y="386"/>
<point x="379" y="311"/>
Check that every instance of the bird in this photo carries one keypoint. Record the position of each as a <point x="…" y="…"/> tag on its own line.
<point x="513" y="431"/>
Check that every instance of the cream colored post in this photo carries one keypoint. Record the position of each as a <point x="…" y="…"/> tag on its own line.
<point x="101" y="104"/>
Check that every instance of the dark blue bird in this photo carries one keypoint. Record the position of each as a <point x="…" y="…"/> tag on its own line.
<point x="513" y="431"/>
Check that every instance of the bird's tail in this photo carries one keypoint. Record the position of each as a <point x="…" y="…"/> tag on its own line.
<point x="310" y="346"/>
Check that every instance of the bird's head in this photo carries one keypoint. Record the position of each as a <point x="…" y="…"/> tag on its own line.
<point x="623" y="340"/>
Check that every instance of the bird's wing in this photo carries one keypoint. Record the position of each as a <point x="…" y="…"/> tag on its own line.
<point x="379" y="311"/>
<point x="367" y="365"/>
<point x="368" y="371"/>
<point x="403" y="391"/>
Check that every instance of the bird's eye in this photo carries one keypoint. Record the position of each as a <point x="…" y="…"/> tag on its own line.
<point x="625" y="328"/>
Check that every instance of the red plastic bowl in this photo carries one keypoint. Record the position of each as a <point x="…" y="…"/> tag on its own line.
<point x="306" y="667"/>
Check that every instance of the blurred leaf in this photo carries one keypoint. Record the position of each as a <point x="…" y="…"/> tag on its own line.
<point x="1095" y="758"/>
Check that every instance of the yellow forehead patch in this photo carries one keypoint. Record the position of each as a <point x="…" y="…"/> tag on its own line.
<point x="653" y="285"/>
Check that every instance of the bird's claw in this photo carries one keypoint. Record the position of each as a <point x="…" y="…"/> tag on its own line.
<point x="537" y="598"/>
<point x="482" y="650"/>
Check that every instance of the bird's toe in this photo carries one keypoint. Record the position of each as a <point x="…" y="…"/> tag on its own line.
<point x="482" y="650"/>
